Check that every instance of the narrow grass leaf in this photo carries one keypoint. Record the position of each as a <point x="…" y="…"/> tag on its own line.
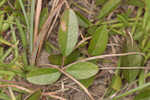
<point x="68" y="32"/>
<point x="6" y="24"/>
<point x="146" y="23"/>
<point x="1" y="52"/>
<point x="3" y="41"/>
<point x="1" y="20"/>
<point x="24" y="13"/>
<point x="109" y="6"/>
<point x="43" y="17"/>
<point x="138" y="3"/>
<point x="131" y="91"/>
<point x="23" y="40"/>
<point x="2" y="2"/>
<point x="4" y="96"/>
<point x="83" y="21"/>
<point x="31" y="28"/>
<point x="22" y="34"/>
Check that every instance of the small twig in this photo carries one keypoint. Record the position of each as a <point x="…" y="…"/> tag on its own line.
<point x="72" y="78"/>
<point x="63" y="61"/>
<point x="125" y="68"/>
<point x="82" y="41"/>
<point x="19" y="87"/>
<point x="105" y="56"/>
<point x="11" y="5"/>
<point x="56" y="92"/>
<point x="54" y="4"/>
<point x="71" y="87"/>
<point x="43" y="33"/>
<point x="31" y="91"/>
<point x="81" y="35"/>
<point x="130" y="35"/>
<point x="83" y="9"/>
<point x="53" y="96"/>
<point x="54" y="22"/>
<point x="14" y="82"/>
<point x="11" y="93"/>
<point x="66" y="2"/>
<point x="49" y="65"/>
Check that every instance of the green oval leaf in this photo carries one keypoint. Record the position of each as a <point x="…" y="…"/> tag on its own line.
<point x="109" y="6"/>
<point x="82" y="70"/>
<point x="68" y="32"/>
<point x="99" y="41"/>
<point x="43" y="76"/>
<point x="35" y="96"/>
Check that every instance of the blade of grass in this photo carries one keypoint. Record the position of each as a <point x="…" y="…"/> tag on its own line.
<point x="132" y="91"/>
<point x="3" y="41"/>
<point x="14" y="41"/>
<point x="6" y="54"/>
<point x="136" y="21"/>
<point x="22" y="34"/>
<point x="31" y="25"/>
<point x="21" y="30"/>
<point x="2" y="2"/>
<point x="24" y="13"/>
<point x="80" y="7"/>
<point x="23" y="40"/>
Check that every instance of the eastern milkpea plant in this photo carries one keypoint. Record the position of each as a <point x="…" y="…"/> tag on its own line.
<point x="78" y="52"/>
<point x="67" y="39"/>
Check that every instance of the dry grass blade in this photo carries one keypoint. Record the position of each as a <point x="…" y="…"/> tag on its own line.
<point x="130" y="35"/>
<point x="31" y="91"/>
<point x="67" y="5"/>
<point x="37" y="17"/>
<point x="14" y="82"/>
<point x="126" y="68"/>
<point x="105" y="56"/>
<point x="43" y="33"/>
<point x="82" y="41"/>
<point x="18" y="87"/>
<point x="50" y="30"/>
<point x="53" y="96"/>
